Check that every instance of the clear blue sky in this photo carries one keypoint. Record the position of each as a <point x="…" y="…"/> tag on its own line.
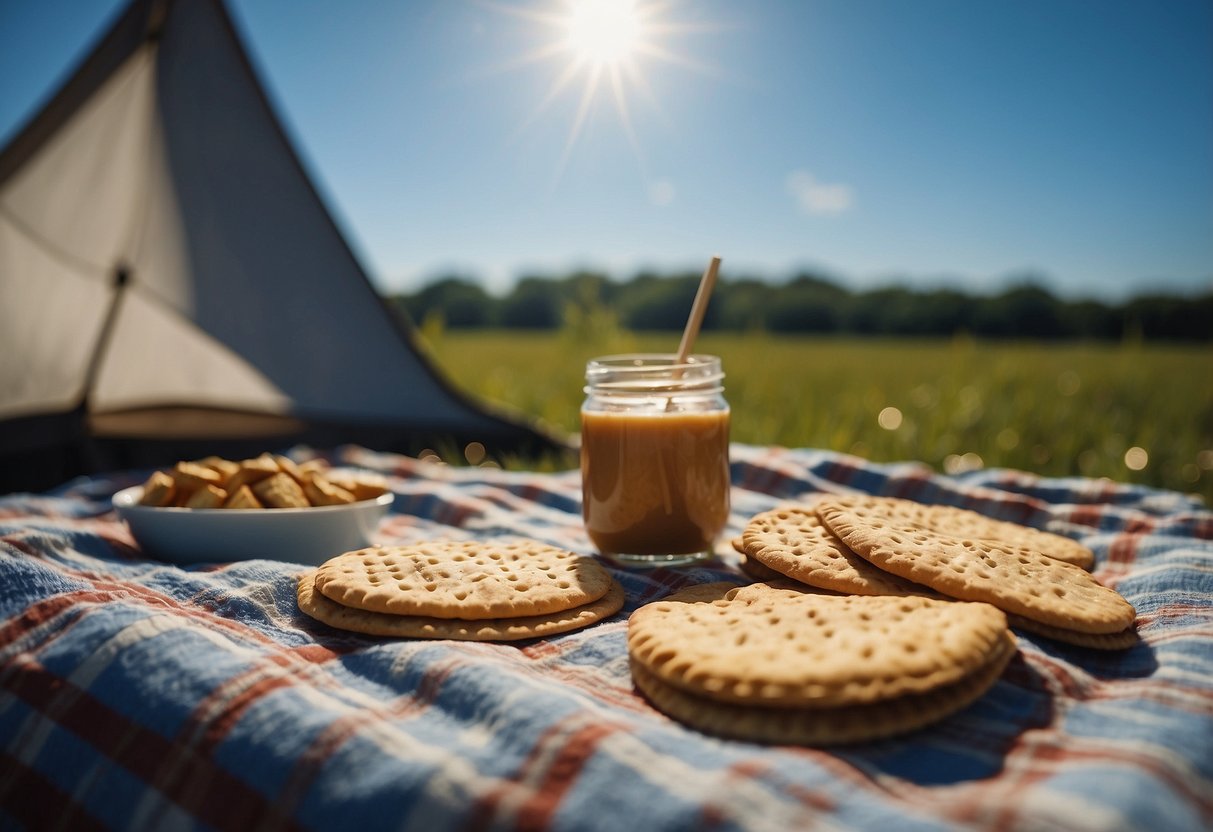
<point x="940" y="141"/>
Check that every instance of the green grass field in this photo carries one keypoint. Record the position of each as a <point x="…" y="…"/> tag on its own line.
<point x="1139" y="413"/>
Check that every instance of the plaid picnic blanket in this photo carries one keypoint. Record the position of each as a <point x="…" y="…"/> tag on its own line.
<point x="134" y="694"/>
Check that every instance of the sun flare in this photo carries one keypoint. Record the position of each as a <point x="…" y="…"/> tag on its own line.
<point x="603" y="31"/>
<point x="610" y="44"/>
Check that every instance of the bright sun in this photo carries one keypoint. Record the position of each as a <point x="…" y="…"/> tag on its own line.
<point x="603" y="31"/>
<point x="603" y="43"/>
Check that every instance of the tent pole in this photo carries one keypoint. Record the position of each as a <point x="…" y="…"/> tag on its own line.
<point x="90" y="454"/>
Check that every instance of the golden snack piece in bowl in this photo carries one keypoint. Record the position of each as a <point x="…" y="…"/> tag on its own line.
<point x="242" y="497"/>
<point x="225" y="467"/>
<point x="281" y="491"/>
<point x="159" y="490"/>
<point x="215" y="510"/>
<point x="321" y="492"/>
<point x="208" y="496"/>
<point x="266" y="481"/>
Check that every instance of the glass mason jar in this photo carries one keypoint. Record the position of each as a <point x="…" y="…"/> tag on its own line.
<point x="654" y="457"/>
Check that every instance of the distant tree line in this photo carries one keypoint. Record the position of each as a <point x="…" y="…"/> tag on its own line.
<point x="807" y="304"/>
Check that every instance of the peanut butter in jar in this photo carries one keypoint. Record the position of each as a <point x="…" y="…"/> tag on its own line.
<point x="654" y="458"/>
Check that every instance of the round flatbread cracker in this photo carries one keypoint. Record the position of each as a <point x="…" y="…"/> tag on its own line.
<point x="778" y="646"/>
<point x="470" y="580"/>
<point x="1016" y="579"/>
<point x="1122" y="640"/>
<point x="794" y="542"/>
<point x="777" y="587"/>
<point x="828" y="726"/>
<point x="750" y="567"/>
<point x="703" y="593"/>
<point x="960" y="522"/>
<point x="330" y="612"/>
<point x="758" y="570"/>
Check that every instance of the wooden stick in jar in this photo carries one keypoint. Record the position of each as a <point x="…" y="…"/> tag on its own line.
<point x="691" y="331"/>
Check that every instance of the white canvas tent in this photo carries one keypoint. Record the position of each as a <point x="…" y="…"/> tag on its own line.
<point x="171" y="282"/>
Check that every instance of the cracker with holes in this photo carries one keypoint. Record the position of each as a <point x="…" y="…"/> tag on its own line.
<point x="964" y="523"/>
<point x="756" y="570"/>
<point x="776" y="664"/>
<point x="750" y="567"/>
<point x="323" y="609"/>
<point x="791" y="648"/>
<point x="463" y="579"/>
<point x="794" y="542"/>
<point x="1120" y="640"/>
<point x="1015" y="578"/>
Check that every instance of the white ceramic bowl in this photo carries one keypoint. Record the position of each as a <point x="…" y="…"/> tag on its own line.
<point x="217" y="535"/>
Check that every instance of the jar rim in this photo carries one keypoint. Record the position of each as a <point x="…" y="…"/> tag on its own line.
<point x="650" y="373"/>
<point x="640" y="362"/>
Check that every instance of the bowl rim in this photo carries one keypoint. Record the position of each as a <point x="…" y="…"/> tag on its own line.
<point x="127" y="500"/>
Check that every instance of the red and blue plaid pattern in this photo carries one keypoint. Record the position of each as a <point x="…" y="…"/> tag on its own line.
<point x="134" y="694"/>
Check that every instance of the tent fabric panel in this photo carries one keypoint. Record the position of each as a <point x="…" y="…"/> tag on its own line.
<point x="128" y="32"/>
<point x="314" y="324"/>
<point x="50" y="318"/>
<point x="79" y="192"/>
<point x="155" y="356"/>
<point x="157" y="253"/>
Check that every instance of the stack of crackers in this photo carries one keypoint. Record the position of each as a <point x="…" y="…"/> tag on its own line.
<point x="468" y="590"/>
<point x="873" y="617"/>
<point x="887" y="546"/>
<point x="771" y="662"/>
<point x="267" y="481"/>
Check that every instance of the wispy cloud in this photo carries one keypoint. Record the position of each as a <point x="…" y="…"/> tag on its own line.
<point x="819" y="198"/>
<point x="662" y="193"/>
